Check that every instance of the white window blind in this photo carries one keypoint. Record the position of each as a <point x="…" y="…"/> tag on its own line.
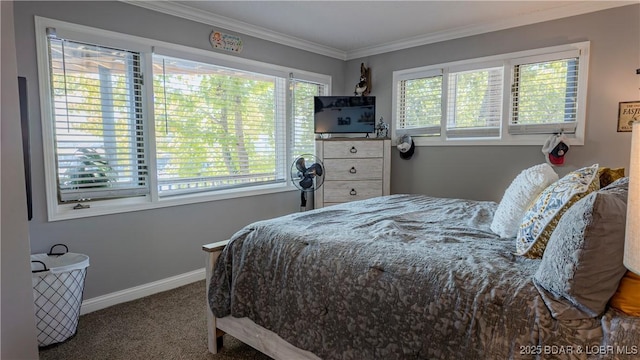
<point x="512" y="99"/>
<point x="544" y="96"/>
<point x="98" y="121"/>
<point x="302" y="93"/>
<point x="420" y="105"/>
<point x="474" y="103"/>
<point x="217" y="128"/>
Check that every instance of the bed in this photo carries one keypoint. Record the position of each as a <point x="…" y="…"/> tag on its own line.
<point x="394" y="277"/>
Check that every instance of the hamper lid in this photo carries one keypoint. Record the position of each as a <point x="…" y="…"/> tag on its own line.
<point x="60" y="263"/>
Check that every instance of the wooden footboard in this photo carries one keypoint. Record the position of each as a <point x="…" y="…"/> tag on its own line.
<point x="213" y="251"/>
<point x="244" y="329"/>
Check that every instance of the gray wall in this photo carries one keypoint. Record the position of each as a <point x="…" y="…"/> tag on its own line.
<point x="483" y="172"/>
<point x="18" y="323"/>
<point x="131" y="249"/>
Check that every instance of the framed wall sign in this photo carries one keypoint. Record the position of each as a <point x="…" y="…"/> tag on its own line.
<point x="628" y="113"/>
<point x="227" y="42"/>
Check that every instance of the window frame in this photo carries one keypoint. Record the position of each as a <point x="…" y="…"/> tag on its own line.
<point x="67" y="163"/>
<point x="468" y="68"/>
<point x="507" y="61"/>
<point x="280" y="86"/>
<point x="420" y="73"/>
<point x="147" y="47"/>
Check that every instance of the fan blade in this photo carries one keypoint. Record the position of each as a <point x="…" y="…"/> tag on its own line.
<point x="314" y="170"/>
<point x="300" y="165"/>
<point x="318" y="169"/>
<point x="306" y="183"/>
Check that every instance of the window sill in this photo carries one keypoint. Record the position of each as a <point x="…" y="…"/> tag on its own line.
<point x="519" y="140"/>
<point x="117" y="206"/>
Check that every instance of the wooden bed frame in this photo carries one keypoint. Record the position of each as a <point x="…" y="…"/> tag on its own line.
<point x="244" y="329"/>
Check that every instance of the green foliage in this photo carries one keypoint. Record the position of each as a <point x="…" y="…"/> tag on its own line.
<point x="93" y="102"/>
<point x="544" y="91"/>
<point x="423" y="101"/>
<point x="474" y="98"/>
<point x="93" y="170"/>
<point x="303" y="137"/>
<point x="214" y="124"/>
<point x="211" y="123"/>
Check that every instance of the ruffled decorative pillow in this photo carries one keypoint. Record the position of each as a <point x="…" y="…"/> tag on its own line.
<point x="543" y="215"/>
<point x="518" y="197"/>
<point x="582" y="264"/>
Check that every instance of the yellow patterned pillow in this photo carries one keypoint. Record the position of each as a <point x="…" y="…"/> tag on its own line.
<point x="608" y="175"/>
<point x="543" y="215"/>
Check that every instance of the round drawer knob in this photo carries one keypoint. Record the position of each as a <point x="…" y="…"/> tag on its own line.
<point x="353" y="192"/>
<point x="353" y="150"/>
<point x="353" y="170"/>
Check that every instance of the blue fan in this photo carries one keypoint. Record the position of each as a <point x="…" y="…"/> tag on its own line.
<point x="307" y="174"/>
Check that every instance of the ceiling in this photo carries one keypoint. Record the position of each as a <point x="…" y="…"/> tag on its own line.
<point x="352" y="29"/>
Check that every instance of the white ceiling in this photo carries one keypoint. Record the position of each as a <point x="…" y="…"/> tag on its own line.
<point x="351" y="29"/>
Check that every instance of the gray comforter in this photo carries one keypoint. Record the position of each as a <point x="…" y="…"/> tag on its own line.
<point x="402" y="277"/>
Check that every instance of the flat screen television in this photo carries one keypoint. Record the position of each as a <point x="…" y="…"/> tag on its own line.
<point x="344" y="114"/>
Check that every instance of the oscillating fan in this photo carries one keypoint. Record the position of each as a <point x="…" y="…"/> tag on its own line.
<point x="307" y="174"/>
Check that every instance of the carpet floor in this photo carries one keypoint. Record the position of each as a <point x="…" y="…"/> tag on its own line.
<point x="169" y="325"/>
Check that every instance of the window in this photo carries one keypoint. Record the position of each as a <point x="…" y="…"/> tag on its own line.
<point x="420" y="104"/>
<point x="545" y="96"/>
<point x="474" y="103"/>
<point x="97" y="112"/>
<point x="303" y="138"/>
<point x="132" y="123"/>
<point x="510" y="99"/>
<point x="216" y="127"/>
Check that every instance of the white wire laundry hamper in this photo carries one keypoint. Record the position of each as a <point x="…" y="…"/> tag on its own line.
<point x="58" y="284"/>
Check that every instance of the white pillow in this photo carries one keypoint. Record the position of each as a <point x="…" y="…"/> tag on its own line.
<point x="519" y="195"/>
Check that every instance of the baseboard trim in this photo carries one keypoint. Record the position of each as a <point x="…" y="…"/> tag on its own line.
<point x="118" y="297"/>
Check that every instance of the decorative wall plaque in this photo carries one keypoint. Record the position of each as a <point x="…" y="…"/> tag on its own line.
<point x="628" y="113"/>
<point x="227" y="42"/>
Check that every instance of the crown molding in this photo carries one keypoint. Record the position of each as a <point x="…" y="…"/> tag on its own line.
<point x="186" y="12"/>
<point x="209" y="18"/>
<point x="577" y="8"/>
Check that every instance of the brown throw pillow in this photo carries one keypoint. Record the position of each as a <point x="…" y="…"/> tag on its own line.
<point x="627" y="297"/>
<point x="609" y="175"/>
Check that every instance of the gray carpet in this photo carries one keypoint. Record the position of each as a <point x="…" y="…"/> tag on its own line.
<point x="168" y="325"/>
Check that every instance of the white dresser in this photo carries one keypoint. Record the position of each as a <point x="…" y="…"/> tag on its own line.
<point x="355" y="169"/>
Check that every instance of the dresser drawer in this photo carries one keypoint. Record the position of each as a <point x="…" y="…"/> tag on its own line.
<point x="345" y="191"/>
<point x="352" y="149"/>
<point x="353" y="169"/>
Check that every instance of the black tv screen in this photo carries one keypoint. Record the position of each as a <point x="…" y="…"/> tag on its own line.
<point x="344" y="114"/>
